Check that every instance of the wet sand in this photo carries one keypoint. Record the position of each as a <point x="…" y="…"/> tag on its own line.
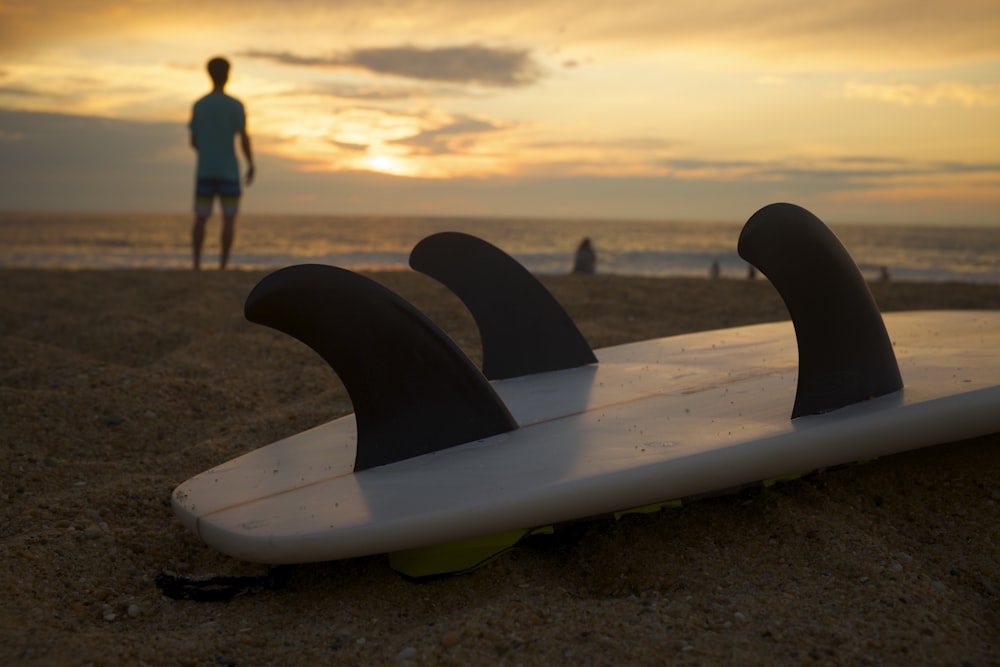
<point x="116" y="386"/>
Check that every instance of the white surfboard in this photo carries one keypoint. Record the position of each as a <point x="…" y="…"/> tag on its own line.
<point x="642" y="423"/>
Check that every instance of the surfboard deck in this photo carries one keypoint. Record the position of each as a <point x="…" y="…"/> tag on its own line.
<point x="650" y="422"/>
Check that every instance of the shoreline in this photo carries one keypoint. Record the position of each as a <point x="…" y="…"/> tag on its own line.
<point x="209" y="265"/>
<point x="117" y="385"/>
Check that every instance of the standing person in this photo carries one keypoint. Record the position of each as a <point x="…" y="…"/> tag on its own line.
<point x="586" y="258"/>
<point x="714" y="271"/>
<point x="216" y="120"/>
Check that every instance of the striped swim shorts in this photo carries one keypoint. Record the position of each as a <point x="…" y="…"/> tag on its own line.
<point x="207" y="189"/>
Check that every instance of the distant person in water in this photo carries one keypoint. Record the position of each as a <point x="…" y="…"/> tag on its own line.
<point x="586" y="258"/>
<point x="714" y="270"/>
<point x="216" y="120"/>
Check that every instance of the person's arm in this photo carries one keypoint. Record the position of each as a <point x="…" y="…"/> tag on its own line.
<point x="248" y="154"/>
<point x="194" y="141"/>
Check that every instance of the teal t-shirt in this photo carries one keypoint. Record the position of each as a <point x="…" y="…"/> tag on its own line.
<point x="216" y="119"/>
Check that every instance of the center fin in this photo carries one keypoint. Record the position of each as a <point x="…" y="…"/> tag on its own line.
<point x="523" y="328"/>
<point x="414" y="391"/>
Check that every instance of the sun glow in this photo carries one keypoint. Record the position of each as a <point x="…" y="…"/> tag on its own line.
<point x="386" y="164"/>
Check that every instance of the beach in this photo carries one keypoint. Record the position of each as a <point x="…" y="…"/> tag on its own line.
<point x="115" y="386"/>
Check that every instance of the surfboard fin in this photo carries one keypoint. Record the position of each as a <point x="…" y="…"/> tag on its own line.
<point x="453" y="558"/>
<point x="414" y="391"/>
<point x="523" y="328"/>
<point x="845" y="355"/>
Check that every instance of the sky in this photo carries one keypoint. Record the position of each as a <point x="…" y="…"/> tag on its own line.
<point x="861" y="110"/>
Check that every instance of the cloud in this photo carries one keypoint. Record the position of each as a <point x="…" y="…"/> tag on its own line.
<point x="455" y="137"/>
<point x="854" y="172"/>
<point x="377" y="93"/>
<point x="17" y="91"/>
<point x="57" y="161"/>
<point x="894" y="31"/>
<point x="349" y="146"/>
<point x="842" y="172"/>
<point x="698" y="165"/>
<point x="486" y="66"/>
<point x="62" y="162"/>
<point x="927" y="94"/>
<point x="862" y="33"/>
<point x="89" y="142"/>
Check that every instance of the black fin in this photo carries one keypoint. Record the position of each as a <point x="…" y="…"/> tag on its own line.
<point x="414" y="391"/>
<point x="523" y="328"/>
<point x="845" y="355"/>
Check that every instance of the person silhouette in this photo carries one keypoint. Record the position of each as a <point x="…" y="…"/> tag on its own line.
<point x="586" y="258"/>
<point x="216" y="119"/>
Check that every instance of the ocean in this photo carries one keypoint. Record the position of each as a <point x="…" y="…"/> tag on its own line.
<point x="643" y="248"/>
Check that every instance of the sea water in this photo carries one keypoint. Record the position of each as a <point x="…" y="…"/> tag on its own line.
<point x="645" y="248"/>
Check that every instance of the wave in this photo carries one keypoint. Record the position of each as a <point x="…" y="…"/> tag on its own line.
<point x="669" y="248"/>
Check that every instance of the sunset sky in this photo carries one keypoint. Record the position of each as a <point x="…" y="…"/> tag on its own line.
<point x="861" y="110"/>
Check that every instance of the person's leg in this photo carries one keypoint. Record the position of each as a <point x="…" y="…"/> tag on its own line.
<point x="197" y="239"/>
<point x="204" y="195"/>
<point x="228" y="232"/>
<point x="230" y="203"/>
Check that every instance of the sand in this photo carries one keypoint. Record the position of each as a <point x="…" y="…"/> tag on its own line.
<point x="116" y="386"/>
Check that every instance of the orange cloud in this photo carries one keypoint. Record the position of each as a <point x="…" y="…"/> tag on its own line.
<point x="927" y="94"/>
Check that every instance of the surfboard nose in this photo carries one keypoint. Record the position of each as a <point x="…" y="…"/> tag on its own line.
<point x="845" y="355"/>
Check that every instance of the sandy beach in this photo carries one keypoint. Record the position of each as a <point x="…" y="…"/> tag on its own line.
<point x="115" y="386"/>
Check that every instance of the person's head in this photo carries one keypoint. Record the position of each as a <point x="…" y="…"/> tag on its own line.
<point x="218" y="69"/>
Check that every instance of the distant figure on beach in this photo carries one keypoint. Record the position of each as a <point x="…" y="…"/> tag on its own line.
<point x="586" y="258"/>
<point x="751" y="272"/>
<point x="216" y="120"/>
<point x="713" y="271"/>
<point x="883" y="274"/>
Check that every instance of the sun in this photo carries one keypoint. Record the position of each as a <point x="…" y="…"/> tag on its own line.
<point x="386" y="164"/>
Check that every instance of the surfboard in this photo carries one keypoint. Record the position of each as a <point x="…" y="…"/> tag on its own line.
<point x="439" y="452"/>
